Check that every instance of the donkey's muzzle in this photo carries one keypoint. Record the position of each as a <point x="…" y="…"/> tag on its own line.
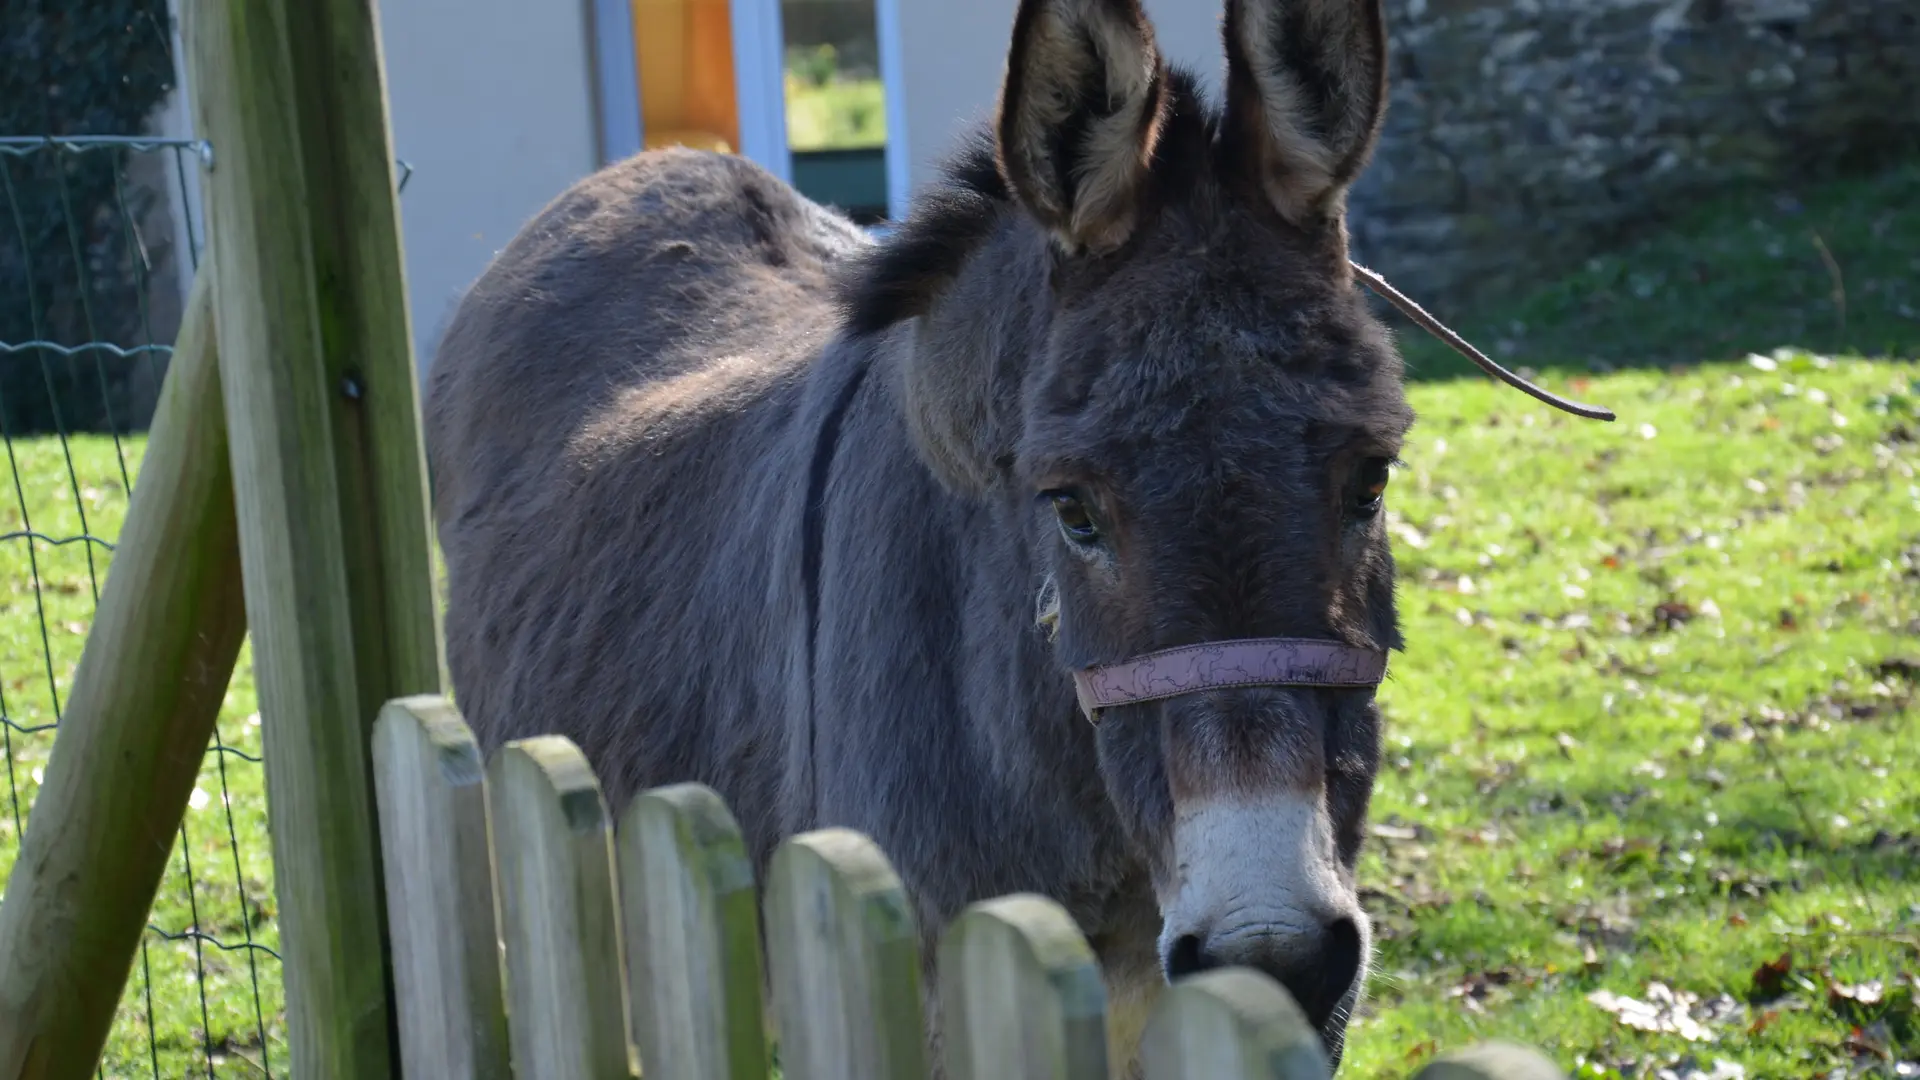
<point x="1318" y="971"/>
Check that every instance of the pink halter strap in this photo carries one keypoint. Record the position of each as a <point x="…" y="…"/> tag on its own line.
<point x="1225" y="665"/>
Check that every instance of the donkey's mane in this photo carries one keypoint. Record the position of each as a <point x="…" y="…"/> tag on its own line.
<point x="901" y="275"/>
<point x="949" y="221"/>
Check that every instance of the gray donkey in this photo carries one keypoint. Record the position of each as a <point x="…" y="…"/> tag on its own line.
<point x="1040" y="541"/>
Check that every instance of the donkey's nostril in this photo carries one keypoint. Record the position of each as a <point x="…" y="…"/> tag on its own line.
<point x="1319" y="978"/>
<point x="1188" y="957"/>
<point x="1343" y="952"/>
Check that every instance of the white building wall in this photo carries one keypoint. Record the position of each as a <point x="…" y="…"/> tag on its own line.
<point x="491" y="103"/>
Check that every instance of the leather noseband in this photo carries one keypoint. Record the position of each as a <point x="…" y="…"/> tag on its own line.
<point x="1226" y="665"/>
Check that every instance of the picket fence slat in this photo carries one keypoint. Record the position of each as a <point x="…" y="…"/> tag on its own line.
<point x="1491" y="1060"/>
<point x="429" y="779"/>
<point x="844" y="957"/>
<point x="1230" y="1024"/>
<point x="553" y="847"/>
<point x="1021" y="994"/>
<point x="693" y="937"/>
<point x="647" y="939"/>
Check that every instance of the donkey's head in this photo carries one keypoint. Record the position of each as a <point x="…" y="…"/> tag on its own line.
<point x="1154" y="346"/>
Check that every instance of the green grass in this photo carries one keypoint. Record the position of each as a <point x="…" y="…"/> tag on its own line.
<point x="840" y="114"/>
<point x="830" y="107"/>
<point x="1654" y="719"/>
<point x="229" y="852"/>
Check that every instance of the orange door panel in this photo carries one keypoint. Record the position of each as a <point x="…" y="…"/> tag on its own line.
<point x="684" y="50"/>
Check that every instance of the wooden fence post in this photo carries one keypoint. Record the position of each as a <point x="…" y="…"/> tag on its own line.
<point x="321" y="400"/>
<point x="845" y="961"/>
<point x="339" y="80"/>
<point x="1021" y="995"/>
<point x="693" y="938"/>
<point x="553" y="847"/>
<point x="1230" y="1024"/>
<point x="431" y="782"/>
<point x="145" y="697"/>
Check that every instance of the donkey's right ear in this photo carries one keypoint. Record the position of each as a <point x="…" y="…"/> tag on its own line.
<point x="1080" y="112"/>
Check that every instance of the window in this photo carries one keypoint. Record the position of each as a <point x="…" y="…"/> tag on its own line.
<point x="836" y="105"/>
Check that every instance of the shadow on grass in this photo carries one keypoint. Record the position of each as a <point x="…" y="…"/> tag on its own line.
<point x="1834" y="267"/>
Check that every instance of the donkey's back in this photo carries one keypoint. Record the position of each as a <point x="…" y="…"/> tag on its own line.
<point x="611" y="423"/>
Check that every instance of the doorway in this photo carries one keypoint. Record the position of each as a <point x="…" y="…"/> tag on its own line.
<point x="805" y="88"/>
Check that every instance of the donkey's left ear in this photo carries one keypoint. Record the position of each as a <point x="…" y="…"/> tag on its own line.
<point x="1306" y="93"/>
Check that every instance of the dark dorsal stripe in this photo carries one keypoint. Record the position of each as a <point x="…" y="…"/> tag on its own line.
<point x="813" y="527"/>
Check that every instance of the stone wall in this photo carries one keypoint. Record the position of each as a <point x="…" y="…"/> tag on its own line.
<point x="1524" y="135"/>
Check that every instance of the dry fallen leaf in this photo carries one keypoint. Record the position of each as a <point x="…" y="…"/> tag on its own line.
<point x="1770" y="978"/>
<point x="1871" y="1041"/>
<point x="1668" y="1011"/>
<point x="1867" y="994"/>
<point x="1671" y="614"/>
<point x="1687" y="1069"/>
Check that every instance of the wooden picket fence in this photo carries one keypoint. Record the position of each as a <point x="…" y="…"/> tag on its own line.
<point x="532" y="938"/>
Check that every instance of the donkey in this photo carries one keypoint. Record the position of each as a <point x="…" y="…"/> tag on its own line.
<point x="1041" y="541"/>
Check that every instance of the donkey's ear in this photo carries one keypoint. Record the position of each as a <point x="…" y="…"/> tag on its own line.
<point x="1306" y="92"/>
<point x="1080" y="113"/>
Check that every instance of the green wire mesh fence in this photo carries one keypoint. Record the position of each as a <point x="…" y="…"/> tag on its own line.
<point x="99" y="238"/>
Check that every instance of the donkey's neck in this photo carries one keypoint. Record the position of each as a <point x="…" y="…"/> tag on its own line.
<point x="956" y="372"/>
<point x="959" y="365"/>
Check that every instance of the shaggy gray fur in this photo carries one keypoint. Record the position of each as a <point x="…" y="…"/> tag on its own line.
<point x="730" y="493"/>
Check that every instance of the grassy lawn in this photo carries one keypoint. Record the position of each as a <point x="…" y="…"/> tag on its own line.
<point x="1644" y="739"/>
<point x="830" y="107"/>
<point x="835" y="114"/>
<point x="1648" y="728"/>
<point x="221" y="880"/>
<point x="1644" y="743"/>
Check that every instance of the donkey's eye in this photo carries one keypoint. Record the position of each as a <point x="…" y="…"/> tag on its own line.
<point x="1074" y="519"/>
<point x="1370" y="487"/>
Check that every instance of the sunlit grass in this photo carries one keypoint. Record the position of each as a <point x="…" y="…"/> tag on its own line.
<point x="196" y="987"/>
<point x="835" y="115"/>
<point x="1654" y="719"/>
